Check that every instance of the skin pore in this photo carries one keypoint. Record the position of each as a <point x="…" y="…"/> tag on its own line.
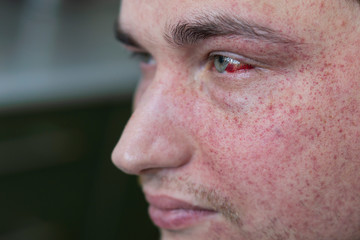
<point x="273" y="150"/>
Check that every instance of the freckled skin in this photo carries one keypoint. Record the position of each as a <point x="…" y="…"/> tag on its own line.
<point x="278" y="154"/>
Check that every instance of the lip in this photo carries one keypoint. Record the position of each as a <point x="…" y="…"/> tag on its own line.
<point x="174" y="214"/>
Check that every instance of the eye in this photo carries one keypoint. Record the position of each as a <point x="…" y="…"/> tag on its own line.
<point x="143" y="57"/>
<point x="227" y="64"/>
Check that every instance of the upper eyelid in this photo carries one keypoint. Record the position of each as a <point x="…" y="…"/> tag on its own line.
<point x="132" y="48"/>
<point x="139" y="53"/>
<point x="134" y="52"/>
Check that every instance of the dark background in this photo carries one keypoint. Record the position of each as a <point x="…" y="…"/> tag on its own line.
<point x="65" y="96"/>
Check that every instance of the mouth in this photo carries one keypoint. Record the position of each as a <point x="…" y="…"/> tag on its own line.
<point x="173" y="214"/>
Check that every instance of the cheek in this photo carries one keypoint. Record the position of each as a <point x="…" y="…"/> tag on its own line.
<point x="284" y="158"/>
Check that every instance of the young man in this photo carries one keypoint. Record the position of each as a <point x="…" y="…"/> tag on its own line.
<point x="246" y="122"/>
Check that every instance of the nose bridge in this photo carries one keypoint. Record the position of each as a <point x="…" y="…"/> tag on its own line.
<point x="152" y="138"/>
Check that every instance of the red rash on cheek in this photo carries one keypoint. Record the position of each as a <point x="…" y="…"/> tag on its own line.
<point x="233" y="67"/>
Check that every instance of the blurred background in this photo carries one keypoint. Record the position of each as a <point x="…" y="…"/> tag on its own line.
<point x="65" y="96"/>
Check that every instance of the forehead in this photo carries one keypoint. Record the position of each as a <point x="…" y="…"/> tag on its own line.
<point x="316" y="22"/>
<point x="179" y="7"/>
<point x="295" y="15"/>
<point x="156" y="14"/>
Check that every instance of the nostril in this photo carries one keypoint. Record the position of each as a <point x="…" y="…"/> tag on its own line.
<point x="149" y="171"/>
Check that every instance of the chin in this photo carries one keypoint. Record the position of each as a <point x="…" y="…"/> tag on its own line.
<point x="209" y="230"/>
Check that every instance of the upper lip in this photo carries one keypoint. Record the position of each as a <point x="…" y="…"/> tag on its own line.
<point x="169" y="203"/>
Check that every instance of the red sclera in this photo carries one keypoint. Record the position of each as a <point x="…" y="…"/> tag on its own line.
<point x="237" y="67"/>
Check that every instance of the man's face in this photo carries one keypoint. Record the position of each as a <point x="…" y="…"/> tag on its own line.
<point x="247" y="118"/>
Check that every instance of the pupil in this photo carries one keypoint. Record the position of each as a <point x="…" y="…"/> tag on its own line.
<point x="222" y="59"/>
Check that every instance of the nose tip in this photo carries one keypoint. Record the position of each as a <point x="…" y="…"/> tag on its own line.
<point x="136" y="154"/>
<point x="153" y="139"/>
<point x="125" y="160"/>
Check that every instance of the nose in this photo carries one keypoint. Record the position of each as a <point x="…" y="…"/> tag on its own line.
<point x="154" y="137"/>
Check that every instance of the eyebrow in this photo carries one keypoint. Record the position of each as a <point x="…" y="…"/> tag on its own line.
<point x="204" y="26"/>
<point x="124" y="37"/>
<point x="188" y="32"/>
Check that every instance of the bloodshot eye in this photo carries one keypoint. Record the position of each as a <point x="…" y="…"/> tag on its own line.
<point x="226" y="64"/>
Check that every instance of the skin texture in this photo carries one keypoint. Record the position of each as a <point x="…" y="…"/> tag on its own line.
<point x="275" y="151"/>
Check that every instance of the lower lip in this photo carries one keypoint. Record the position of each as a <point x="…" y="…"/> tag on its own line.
<point x="177" y="219"/>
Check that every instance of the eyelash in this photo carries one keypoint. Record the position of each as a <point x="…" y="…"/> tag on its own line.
<point x="231" y="64"/>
